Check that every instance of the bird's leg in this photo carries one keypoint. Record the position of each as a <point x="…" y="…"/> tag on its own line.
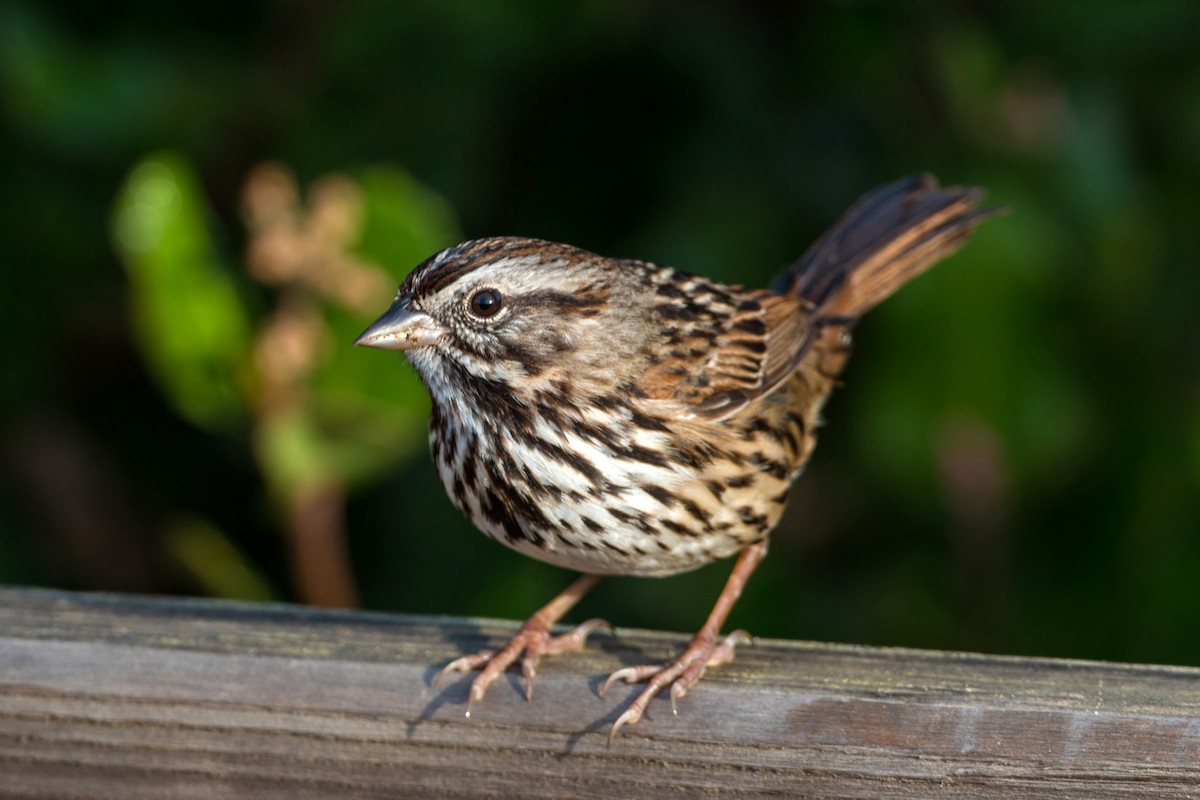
<point x="533" y="639"/>
<point x="704" y="651"/>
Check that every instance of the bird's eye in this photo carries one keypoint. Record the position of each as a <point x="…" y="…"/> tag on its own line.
<point x="486" y="303"/>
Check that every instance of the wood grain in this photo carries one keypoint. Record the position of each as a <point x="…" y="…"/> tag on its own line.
<point x="131" y="697"/>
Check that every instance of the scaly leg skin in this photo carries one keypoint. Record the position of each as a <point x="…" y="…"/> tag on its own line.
<point x="533" y="639"/>
<point x="704" y="651"/>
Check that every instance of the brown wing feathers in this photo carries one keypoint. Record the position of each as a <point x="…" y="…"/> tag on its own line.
<point x="887" y="238"/>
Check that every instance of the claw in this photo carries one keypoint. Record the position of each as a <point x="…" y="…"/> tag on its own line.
<point x="530" y="643"/>
<point x="681" y="674"/>
<point x="467" y="663"/>
<point x="616" y="676"/>
<point x="630" y="716"/>
<point x="476" y="693"/>
<point x="684" y="671"/>
<point x="631" y="675"/>
<point x="677" y="691"/>
<point x="569" y="642"/>
<point x="528" y="672"/>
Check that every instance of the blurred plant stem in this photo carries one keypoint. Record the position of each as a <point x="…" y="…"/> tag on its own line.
<point x="320" y="560"/>
<point x="304" y="252"/>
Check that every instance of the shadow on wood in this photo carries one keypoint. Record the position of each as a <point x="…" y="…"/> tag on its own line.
<point x="117" y="696"/>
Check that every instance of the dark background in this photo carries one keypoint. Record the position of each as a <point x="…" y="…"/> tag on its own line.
<point x="1013" y="465"/>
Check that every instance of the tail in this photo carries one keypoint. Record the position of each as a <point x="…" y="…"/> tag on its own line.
<point x="886" y="239"/>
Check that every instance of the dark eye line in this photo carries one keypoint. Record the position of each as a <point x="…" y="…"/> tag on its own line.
<point x="566" y="300"/>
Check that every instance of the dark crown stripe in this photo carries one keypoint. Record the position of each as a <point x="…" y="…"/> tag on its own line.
<point x="451" y="265"/>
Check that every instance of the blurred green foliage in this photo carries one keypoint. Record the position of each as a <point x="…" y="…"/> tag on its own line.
<point x="314" y="420"/>
<point x="1014" y="465"/>
<point x="187" y="317"/>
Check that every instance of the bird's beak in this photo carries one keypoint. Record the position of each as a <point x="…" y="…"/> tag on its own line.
<point x="401" y="327"/>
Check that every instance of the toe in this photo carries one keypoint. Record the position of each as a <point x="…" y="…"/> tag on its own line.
<point x="529" y="665"/>
<point x="468" y="663"/>
<point x="722" y="652"/>
<point x="574" y="639"/>
<point x="631" y="675"/>
<point x="681" y="675"/>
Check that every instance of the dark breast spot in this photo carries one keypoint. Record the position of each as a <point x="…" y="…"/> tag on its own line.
<point x="664" y="496"/>
<point x="740" y="481"/>
<point x="592" y="525"/>
<point x="675" y="527"/>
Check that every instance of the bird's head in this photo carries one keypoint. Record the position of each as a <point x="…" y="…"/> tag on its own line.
<point x="503" y="309"/>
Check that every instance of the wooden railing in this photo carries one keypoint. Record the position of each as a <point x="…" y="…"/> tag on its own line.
<point x="130" y="697"/>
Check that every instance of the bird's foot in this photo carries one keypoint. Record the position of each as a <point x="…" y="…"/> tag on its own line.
<point x="530" y="643"/>
<point x="681" y="674"/>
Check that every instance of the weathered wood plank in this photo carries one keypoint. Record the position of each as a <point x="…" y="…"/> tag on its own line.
<point x="128" y="697"/>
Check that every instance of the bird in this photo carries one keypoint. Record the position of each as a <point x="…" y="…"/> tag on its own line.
<point x="618" y="417"/>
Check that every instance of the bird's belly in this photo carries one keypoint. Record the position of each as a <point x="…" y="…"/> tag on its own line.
<point x="588" y="508"/>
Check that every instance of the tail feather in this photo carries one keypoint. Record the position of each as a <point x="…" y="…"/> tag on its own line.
<point x="886" y="239"/>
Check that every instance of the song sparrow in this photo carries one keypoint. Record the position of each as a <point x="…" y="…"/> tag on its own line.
<point x="621" y="418"/>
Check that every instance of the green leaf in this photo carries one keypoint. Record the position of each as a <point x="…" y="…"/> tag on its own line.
<point x="187" y="316"/>
<point x="405" y="223"/>
<point x="370" y="409"/>
<point x="291" y="451"/>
